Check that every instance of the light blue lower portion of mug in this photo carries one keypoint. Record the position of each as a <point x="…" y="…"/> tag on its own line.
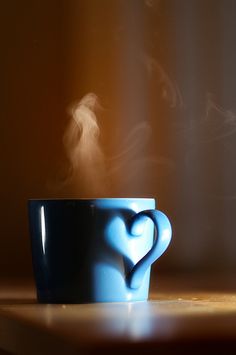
<point x="112" y="287"/>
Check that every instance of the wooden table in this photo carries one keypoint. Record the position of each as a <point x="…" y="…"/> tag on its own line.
<point x="185" y="315"/>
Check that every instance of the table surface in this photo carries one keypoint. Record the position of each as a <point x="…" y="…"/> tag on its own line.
<point x="185" y="314"/>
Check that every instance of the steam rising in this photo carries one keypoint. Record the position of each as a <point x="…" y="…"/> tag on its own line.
<point x="133" y="159"/>
<point x="81" y="141"/>
<point x="169" y="91"/>
<point x="221" y="123"/>
<point x="216" y="124"/>
<point x="90" y="173"/>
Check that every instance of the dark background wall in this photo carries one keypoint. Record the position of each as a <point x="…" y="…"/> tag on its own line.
<point x="164" y="72"/>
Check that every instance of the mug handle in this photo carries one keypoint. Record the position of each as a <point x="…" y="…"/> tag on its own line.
<point x="161" y="242"/>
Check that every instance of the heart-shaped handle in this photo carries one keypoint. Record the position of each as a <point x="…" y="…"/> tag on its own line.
<point x="161" y="242"/>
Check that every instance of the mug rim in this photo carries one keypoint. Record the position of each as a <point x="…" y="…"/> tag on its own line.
<point x="91" y="199"/>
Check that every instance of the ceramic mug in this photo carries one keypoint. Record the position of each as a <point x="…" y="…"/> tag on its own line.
<point x="95" y="250"/>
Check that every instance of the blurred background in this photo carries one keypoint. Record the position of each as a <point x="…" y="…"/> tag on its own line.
<point x="164" y="73"/>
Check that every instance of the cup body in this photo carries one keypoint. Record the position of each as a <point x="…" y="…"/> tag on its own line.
<point x="83" y="250"/>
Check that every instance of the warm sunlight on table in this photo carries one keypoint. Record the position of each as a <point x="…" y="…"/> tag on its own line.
<point x="186" y="314"/>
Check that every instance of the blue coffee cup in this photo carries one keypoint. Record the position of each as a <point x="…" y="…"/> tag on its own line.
<point x="95" y="250"/>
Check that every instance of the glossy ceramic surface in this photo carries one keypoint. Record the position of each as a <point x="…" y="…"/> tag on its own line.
<point x="97" y="250"/>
